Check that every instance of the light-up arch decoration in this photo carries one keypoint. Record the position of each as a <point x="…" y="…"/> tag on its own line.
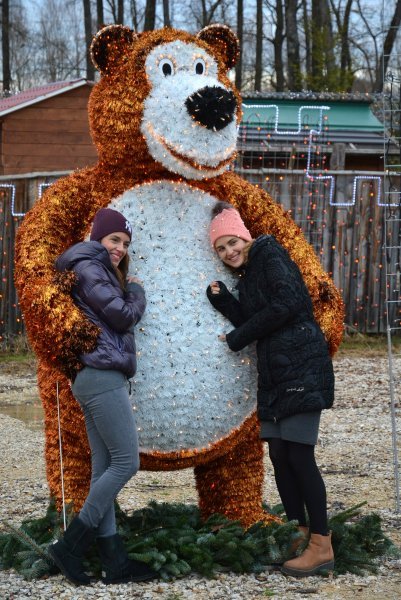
<point x="42" y="187"/>
<point x="10" y="186"/>
<point x="293" y="132"/>
<point x="317" y="132"/>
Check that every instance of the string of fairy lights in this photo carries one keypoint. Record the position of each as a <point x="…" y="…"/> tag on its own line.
<point x="293" y="166"/>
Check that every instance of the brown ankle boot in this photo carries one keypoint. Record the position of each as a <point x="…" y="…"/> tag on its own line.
<point x="302" y="539"/>
<point x="317" y="557"/>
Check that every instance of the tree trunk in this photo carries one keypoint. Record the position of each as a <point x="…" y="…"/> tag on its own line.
<point x="240" y="34"/>
<point x="150" y="15"/>
<point x="343" y="23"/>
<point x="120" y="12"/>
<point x="5" y="43"/>
<point x="323" y="60"/>
<point x="307" y="34"/>
<point x="259" y="46"/>
<point x="99" y="14"/>
<point x="278" y="42"/>
<point x="90" y="69"/>
<point x="294" y="64"/>
<point x="388" y="47"/>
<point x="166" y="13"/>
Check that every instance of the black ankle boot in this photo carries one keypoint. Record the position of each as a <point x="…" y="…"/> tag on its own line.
<point x="116" y="566"/>
<point x="68" y="552"/>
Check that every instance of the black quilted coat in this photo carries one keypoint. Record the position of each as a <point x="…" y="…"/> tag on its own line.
<point x="295" y="372"/>
<point x="99" y="295"/>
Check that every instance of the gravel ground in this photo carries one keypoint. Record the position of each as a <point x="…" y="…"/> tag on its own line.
<point x="354" y="452"/>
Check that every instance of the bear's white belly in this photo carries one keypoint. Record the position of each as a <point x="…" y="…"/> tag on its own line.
<point x="190" y="390"/>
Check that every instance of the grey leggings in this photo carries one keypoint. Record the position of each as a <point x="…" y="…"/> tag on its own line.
<point x="113" y="440"/>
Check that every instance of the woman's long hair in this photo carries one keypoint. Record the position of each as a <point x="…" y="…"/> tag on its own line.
<point x="122" y="271"/>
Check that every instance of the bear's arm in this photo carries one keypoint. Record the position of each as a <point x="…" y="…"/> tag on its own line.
<point x="262" y="215"/>
<point x="57" y="330"/>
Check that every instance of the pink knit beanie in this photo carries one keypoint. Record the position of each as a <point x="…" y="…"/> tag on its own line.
<point x="228" y="222"/>
<point x="108" y="221"/>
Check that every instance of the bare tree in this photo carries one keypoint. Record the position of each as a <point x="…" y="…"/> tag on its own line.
<point x="166" y="13"/>
<point x="294" y="75"/>
<point x="259" y="46"/>
<point x="307" y="36"/>
<point x="204" y="11"/>
<point x="90" y="69"/>
<point x="388" y="47"/>
<point x="342" y="17"/>
<point x="277" y="15"/>
<point x="240" y="30"/>
<point x="116" y="8"/>
<point x="322" y="56"/>
<point x="150" y="15"/>
<point x="100" y="14"/>
<point x="5" y="44"/>
<point x="137" y="15"/>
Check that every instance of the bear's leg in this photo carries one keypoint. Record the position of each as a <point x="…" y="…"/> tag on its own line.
<point x="232" y="484"/>
<point x="74" y="444"/>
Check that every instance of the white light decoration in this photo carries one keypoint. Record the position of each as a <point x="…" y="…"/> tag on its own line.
<point x="11" y="187"/>
<point x="300" y="110"/>
<point x="355" y="190"/>
<point x="42" y="187"/>
<point x="311" y="134"/>
<point x="200" y="389"/>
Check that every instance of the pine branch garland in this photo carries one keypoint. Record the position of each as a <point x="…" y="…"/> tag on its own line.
<point x="174" y="540"/>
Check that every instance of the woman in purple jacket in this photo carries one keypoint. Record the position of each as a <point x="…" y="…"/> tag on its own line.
<point x="115" y="302"/>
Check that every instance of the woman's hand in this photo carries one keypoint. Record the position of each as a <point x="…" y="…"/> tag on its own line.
<point x="132" y="279"/>
<point x="215" y="288"/>
<point x="222" y="337"/>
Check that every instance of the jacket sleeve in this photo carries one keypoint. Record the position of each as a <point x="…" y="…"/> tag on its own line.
<point x="284" y="297"/>
<point x="118" y="309"/>
<point x="226" y="303"/>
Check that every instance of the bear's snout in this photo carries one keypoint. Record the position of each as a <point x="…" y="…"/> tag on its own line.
<point x="214" y="107"/>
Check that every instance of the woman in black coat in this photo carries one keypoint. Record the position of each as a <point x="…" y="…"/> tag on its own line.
<point x="295" y="372"/>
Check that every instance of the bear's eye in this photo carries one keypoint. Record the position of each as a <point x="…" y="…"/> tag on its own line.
<point x="200" y="66"/>
<point x="166" y="67"/>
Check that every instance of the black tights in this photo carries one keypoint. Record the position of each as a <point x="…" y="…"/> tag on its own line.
<point x="299" y="483"/>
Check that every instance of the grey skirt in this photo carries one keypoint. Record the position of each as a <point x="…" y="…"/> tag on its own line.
<point x="302" y="428"/>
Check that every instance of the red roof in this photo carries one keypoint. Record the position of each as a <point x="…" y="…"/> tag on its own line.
<point x="38" y="94"/>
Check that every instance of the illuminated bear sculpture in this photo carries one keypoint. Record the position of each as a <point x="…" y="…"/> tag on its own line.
<point x="164" y="118"/>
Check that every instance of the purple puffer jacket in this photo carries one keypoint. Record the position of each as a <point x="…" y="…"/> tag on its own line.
<point x="115" y="311"/>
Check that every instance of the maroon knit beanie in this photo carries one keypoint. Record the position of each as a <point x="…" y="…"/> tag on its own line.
<point x="108" y="221"/>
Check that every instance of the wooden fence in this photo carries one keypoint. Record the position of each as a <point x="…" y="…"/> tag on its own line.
<point x="341" y="214"/>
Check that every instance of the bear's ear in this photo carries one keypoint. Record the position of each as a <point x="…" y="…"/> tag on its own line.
<point x="109" y="46"/>
<point x="223" y="38"/>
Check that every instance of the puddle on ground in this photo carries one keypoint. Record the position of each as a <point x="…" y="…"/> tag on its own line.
<point x="31" y="414"/>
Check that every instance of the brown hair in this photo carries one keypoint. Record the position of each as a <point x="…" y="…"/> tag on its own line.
<point x="122" y="271"/>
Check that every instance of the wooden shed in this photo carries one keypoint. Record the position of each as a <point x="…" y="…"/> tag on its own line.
<point x="44" y="135"/>
<point x="46" y="129"/>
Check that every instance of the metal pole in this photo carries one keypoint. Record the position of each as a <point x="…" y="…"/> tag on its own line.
<point x="61" y="457"/>
<point x="393" y="421"/>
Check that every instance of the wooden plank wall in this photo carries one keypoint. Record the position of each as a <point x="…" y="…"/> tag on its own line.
<point x="349" y="240"/>
<point x="52" y="135"/>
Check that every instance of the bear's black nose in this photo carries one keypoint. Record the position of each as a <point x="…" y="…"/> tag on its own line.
<point x="214" y="107"/>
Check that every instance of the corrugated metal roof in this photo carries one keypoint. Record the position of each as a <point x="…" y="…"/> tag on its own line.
<point x="37" y="94"/>
<point x="289" y="115"/>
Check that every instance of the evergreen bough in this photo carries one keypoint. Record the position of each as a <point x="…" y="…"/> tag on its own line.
<point x="174" y="540"/>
